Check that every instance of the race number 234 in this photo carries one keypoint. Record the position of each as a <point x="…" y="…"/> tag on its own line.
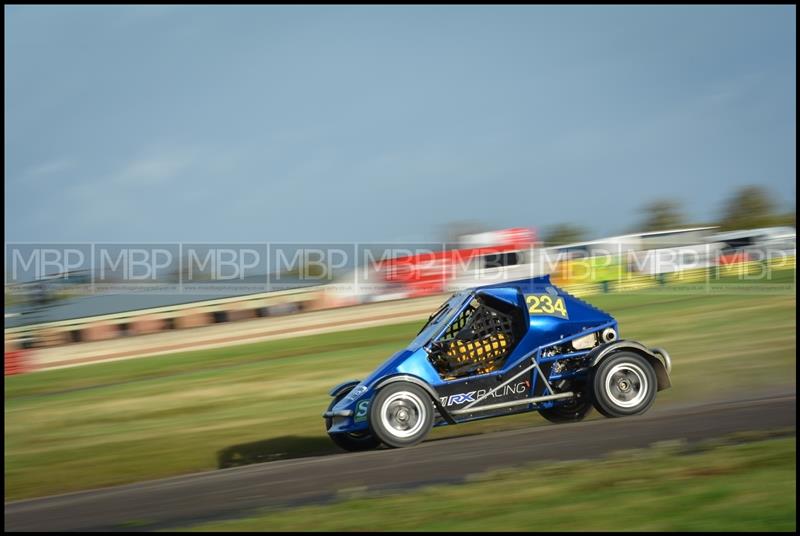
<point x="545" y="304"/>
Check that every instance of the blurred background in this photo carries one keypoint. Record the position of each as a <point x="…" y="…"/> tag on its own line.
<point x="214" y="214"/>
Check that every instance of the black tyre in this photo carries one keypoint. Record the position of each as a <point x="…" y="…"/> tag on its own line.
<point x="624" y="384"/>
<point x="573" y="410"/>
<point x="352" y="441"/>
<point x="401" y="414"/>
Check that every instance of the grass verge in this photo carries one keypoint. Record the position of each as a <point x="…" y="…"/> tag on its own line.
<point x="739" y="487"/>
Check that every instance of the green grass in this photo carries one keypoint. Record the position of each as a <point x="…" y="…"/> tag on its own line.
<point x="744" y="487"/>
<point x="125" y="421"/>
<point x="217" y="359"/>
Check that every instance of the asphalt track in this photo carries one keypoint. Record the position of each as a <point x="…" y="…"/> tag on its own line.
<point x="226" y="493"/>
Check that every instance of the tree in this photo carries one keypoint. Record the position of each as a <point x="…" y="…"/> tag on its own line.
<point x="750" y="207"/>
<point x="564" y="233"/>
<point x="661" y="215"/>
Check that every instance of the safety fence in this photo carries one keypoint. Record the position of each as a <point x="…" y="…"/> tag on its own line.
<point x="19" y="359"/>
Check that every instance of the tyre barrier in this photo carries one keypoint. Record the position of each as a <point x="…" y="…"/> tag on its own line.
<point x="15" y="362"/>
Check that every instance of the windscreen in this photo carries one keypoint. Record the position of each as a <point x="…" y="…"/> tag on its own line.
<point x="441" y="317"/>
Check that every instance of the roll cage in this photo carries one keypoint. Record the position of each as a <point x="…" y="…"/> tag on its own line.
<point x="476" y="337"/>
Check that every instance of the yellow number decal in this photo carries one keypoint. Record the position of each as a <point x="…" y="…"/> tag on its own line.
<point x="544" y="304"/>
<point x="560" y="307"/>
<point x="548" y="304"/>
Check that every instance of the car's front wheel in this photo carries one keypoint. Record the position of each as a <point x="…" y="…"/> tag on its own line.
<point x="624" y="384"/>
<point x="352" y="441"/>
<point x="401" y="414"/>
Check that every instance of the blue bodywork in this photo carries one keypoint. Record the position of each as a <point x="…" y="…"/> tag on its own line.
<point x="541" y="332"/>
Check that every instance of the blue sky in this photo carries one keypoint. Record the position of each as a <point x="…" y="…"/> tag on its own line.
<point x="277" y="123"/>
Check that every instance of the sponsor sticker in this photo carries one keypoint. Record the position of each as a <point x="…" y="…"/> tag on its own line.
<point x="507" y="390"/>
<point x="361" y="411"/>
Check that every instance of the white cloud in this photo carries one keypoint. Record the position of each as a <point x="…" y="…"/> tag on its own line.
<point x="48" y="168"/>
<point x="51" y="167"/>
<point x="152" y="170"/>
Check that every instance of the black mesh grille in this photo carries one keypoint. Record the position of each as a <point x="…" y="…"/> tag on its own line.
<point x="486" y="321"/>
<point x="459" y="323"/>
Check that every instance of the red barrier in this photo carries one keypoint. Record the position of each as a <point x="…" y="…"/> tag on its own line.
<point x="15" y="362"/>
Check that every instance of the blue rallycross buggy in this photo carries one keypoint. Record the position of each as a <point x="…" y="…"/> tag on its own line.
<point x="497" y="350"/>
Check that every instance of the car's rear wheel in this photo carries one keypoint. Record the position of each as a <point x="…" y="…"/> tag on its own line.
<point x="401" y="414"/>
<point x="573" y="410"/>
<point x="624" y="384"/>
<point x="352" y="441"/>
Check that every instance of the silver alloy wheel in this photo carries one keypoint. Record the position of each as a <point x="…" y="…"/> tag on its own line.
<point x="403" y="414"/>
<point x="626" y="385"/>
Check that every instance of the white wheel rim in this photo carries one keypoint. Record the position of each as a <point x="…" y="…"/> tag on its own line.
<point x="626" y="385"/>
<point x="403" y="414"/>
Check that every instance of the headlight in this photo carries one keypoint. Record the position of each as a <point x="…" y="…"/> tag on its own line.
<point x="609" y="335"/>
